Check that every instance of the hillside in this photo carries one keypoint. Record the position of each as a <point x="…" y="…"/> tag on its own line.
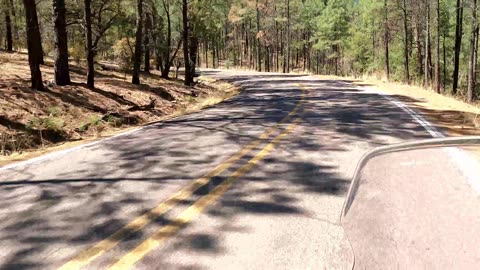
<point x="32" y="119"/>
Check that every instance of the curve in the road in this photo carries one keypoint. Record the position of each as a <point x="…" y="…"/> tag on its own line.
<point x="87" y="256"/>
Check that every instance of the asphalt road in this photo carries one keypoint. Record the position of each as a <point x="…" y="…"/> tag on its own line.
<point x="256" y="182"/>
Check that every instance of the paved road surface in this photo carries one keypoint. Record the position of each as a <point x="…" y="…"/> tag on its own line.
<point x="256" y="182"/>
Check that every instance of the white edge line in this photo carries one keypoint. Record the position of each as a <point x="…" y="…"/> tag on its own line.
<point x="469" y="166"/>
<point x="59" y="153"/>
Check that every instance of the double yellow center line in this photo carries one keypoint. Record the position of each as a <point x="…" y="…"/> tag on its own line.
<point x="87" y="256"/>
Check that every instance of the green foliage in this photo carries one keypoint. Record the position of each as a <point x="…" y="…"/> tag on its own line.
<point x="114" y="120"/>
<point x="95" y="120"/>
<point x="122" y="52"/>
<point x="46" y="123"/>
<point x="77" y="52"/>
<point x="55" y="111"/>
<point x="332" y="27"/>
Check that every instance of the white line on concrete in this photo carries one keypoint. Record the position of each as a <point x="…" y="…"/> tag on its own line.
<point x="469" y="166"/>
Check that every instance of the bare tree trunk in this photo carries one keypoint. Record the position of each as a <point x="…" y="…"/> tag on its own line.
<point x="405" y="42"/>
<point x="427" y="44"/>
<point x="89" y="44"/>
<point x="146" y="59"/>
<point x="193" y="52"/>
<point x="33" y="44"/>
<point x="444" y="62"/>
<point x="259" y="45"/>
<point x="418" y="41"/>
<point x="138" y="44"/>
<point x="186" y="43"/>
<point x="458" y="44"/>
<point x="14" y="20"/>
<point x="8" y="29"/>
<point x="62" y="70"/>
<point x="437" y="49"/>
<point x="167" y="60"/>
<point x="206" y="53"/>
<point x="386" y="42"/>
<point x="286" y="54"/>
<point x="213" y="54"/>
<point x="472" y="60"/>
<point x="275" y="25"/>
<point x="267" y="59"/>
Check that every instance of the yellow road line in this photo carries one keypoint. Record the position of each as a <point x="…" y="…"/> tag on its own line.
<point x="128" y="260"/>
<point x="88" y="255"/>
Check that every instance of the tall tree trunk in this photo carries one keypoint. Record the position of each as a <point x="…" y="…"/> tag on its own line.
<point x="137" y="56"/>
<point x="205" y="47"/>
<point x="418" y="39"/>
<point x="14" y="20"/>
<point x="444" y="62"/>
<point x="472" y="60"/>
<point x="427" y="44"/>
<point x="39" y="47"/>
<point x="89" y="44"/>
<point x="405" y="42"/>
<point x="267" y="59"/>
<point x="193" y="52"/>
<point x="146" y="60"/>
<point x="166" y="55"/>
<point x="386" y="41"/>
<point x="259" y="45"/>
<point x="286" y="55"/>
<point x="62" y="70"/>
<point x="213" y="54"/>
<point x="33" y="43"/>
<point x="8" y="29"/>
<point x="437" y="49"/>
<point x="458" y="44"/>
<point x="186" y="43"/>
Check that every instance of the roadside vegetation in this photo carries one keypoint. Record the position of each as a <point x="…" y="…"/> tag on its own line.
<point x="31" y="119"/>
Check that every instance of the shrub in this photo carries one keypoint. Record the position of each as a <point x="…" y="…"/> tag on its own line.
<point x="54" y="111"/>
<point x="123" y="53"/>
<point x="77" y="52"/>
<point x="46" y="123"/>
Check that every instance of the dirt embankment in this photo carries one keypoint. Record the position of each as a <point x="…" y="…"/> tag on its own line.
<point x="33" y="120"/>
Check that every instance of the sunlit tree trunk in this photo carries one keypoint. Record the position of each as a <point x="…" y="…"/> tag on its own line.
<point x="418" y="41"/>
<point x="89" y="44"/>
<point x="427" y="45"/>
<point x="405" y="42"/>
<point x="146" y="60"/>
<point x="138" y="44"/>
<point x="186" y="44"/>
<point x="259" y="45"/>
<point x="386" y="41"/>
<point x="437" y="49"/>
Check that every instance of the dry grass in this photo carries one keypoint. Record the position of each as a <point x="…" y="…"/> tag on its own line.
<point x="451" y="114"/>
<point x="77" y="113"/>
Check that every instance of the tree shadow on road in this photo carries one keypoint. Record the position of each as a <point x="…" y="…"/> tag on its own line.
<point x="86" y="197"/>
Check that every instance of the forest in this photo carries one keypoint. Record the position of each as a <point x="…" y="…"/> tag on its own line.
<point x="433" y="43"/>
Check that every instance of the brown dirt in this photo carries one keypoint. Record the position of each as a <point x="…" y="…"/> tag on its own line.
<point x="78" y="113"/>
